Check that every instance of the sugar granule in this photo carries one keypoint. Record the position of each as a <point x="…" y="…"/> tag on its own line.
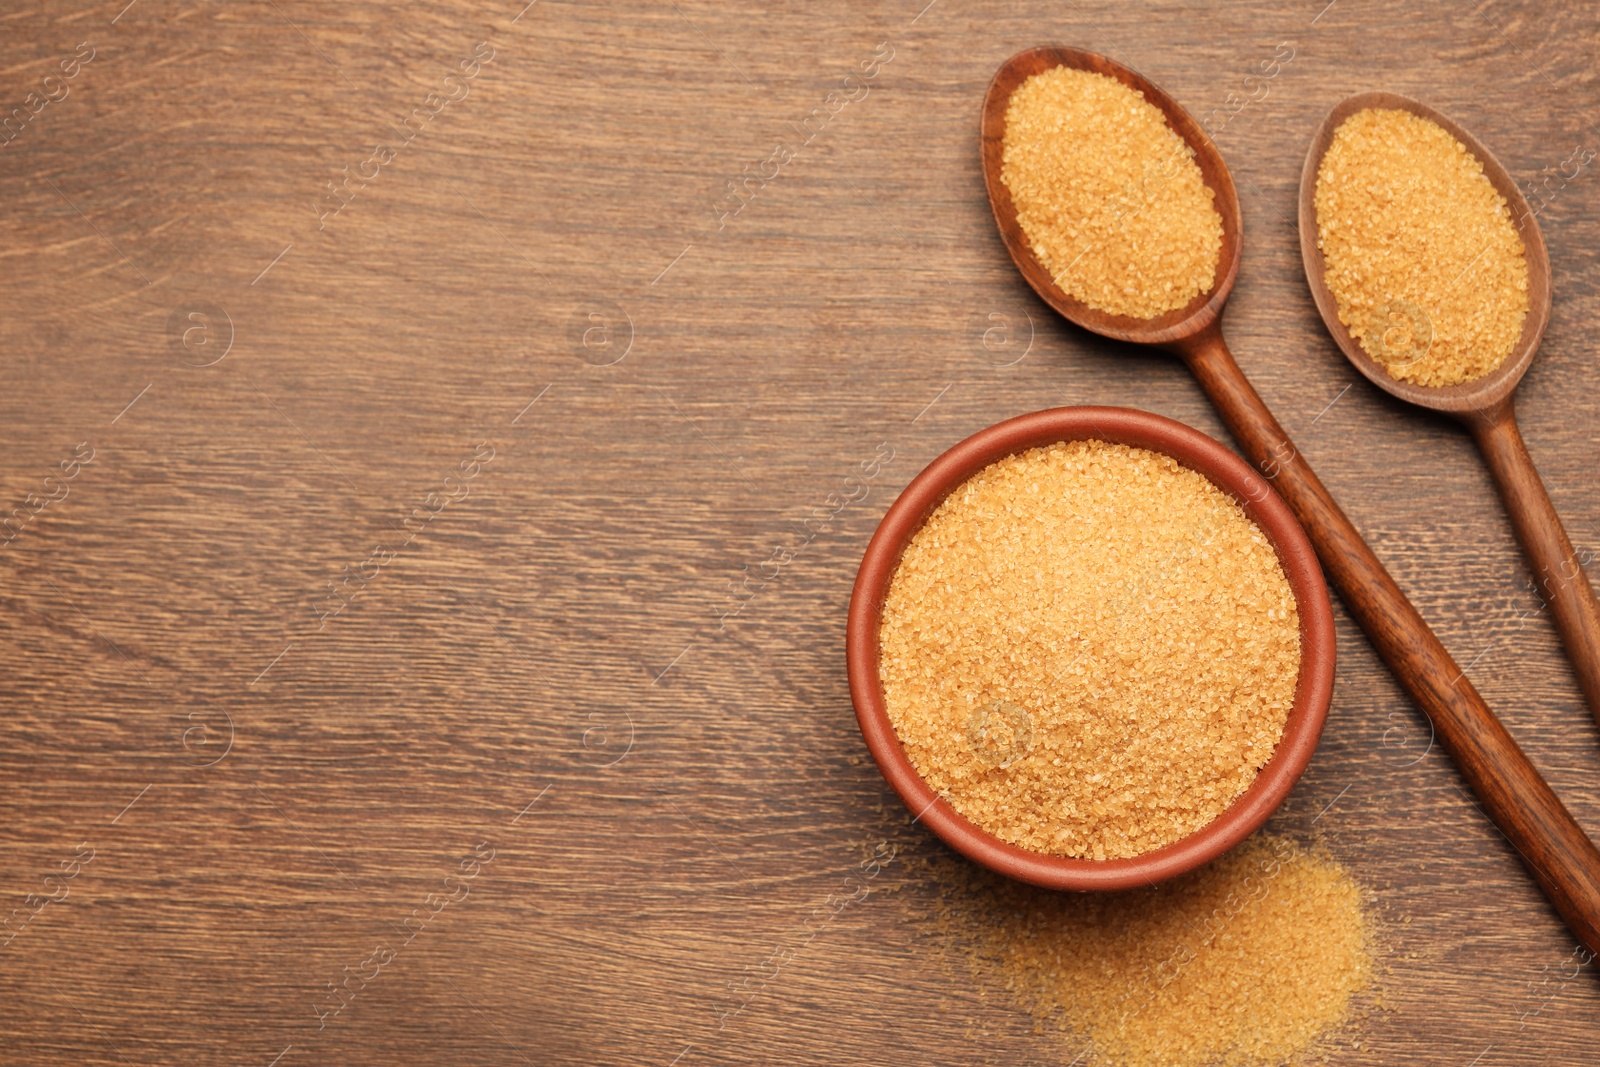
<point x="1109" y="197"/>
<point x="1420" y="252"/>
<point x="1253" y="961"/>
<point x="1089" y="650"/>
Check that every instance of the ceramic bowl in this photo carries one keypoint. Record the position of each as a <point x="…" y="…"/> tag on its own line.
<point x="1229" y="473"/>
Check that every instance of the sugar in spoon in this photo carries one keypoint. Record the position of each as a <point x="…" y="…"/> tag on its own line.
<point x="1554" y="848"/>
<point x="1483" y="405"/>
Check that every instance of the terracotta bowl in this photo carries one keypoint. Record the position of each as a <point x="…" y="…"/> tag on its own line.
<point x="1228" y="472"/>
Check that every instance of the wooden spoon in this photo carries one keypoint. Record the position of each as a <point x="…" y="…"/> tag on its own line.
<point x="1555" y="849"/>
<point x="1484" y="405"/>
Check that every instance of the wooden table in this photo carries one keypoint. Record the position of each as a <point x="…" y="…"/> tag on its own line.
<point x="430" y="598"/>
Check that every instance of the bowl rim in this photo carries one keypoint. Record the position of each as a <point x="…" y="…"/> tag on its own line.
<point x="1227" y="471"/>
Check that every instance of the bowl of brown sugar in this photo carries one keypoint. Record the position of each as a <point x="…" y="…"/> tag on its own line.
<point x="1090" y="648"/>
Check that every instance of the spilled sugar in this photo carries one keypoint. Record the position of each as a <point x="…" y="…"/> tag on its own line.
<point x="1259" y="959"/>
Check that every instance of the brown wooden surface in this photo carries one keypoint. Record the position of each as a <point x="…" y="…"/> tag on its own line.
<point x="562" y="635"/>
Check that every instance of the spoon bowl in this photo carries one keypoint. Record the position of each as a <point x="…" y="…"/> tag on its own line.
<point x="1165" y="329"/>
<point x="1483" y="404"/>
<point x="1556" y="851"/>
<point x="1468" y="399"/>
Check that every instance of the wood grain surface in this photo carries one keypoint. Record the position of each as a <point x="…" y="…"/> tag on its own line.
<point x="411" y="578"/>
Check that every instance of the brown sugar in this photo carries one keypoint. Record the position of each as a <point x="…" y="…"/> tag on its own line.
<point x="1089" y="650"/>
<point x="1421" y="255"/>
<point x="1109" y="197"/>
<point x="1253" y="961"/>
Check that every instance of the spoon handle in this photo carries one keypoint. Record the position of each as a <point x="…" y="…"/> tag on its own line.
<point x="1557" y="569"/>
<point x="1520" y="802"/>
